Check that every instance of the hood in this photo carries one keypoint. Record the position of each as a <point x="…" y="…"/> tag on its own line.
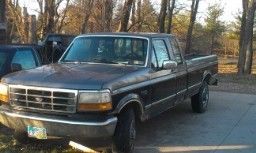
<point x="70" y="76"/>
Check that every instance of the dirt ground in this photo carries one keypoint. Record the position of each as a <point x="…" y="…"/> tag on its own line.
<point x="236" y="84"/>
<point x="230" y="82"/>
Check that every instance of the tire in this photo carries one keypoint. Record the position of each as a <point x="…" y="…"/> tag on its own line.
<point x="125" y="133"/>
<point x="199" y="102"/>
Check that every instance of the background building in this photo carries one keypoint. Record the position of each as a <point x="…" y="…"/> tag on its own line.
<point x="3" y="21"/>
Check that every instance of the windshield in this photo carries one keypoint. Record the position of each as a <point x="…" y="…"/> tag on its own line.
<point x="110" y="50"/>
<point x="3" y="59"/>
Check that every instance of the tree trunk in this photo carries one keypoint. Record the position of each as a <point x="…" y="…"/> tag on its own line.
<point x="246" y="38"/>
<point x="32" y="39"/>
<point x="162" y="16"/>
<point x="242" y="53"/>
<point x="139" y="19"/>
<point x="86" y="4"/>
<point x="170" y="15"/>
<point x="3" y="28"/>
<point x="123" y="27"/>
<point x="133" y="18"/>
<point x="194" y="8"/>
<point x="51" y="14"/>
<point x="26" y="25"/>
<point x="63" y="17"/>
<point x="108" y="13"/>
<point x="248" y="46"/>
<point x="212" y="43"/>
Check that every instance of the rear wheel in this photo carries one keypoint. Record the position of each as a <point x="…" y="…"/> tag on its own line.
<point x="199" y="102"/>
<point x="125" y="133"/>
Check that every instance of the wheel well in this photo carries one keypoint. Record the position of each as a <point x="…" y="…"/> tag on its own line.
<point x="136" y="107"/>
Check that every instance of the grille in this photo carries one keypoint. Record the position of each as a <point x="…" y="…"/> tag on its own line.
<point x="43" y="99"/>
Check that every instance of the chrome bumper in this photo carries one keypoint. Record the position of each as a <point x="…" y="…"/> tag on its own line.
<point x="59" y="127"/>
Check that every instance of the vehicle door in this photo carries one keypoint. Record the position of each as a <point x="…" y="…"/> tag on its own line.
<point x="4" y="62"/>
<point x="181" y="71"/>
<point x="163" y="89"/>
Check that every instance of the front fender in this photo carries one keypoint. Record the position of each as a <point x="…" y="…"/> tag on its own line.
<point x="127" y="100"/>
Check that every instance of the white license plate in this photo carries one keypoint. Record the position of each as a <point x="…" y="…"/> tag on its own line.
<point x="36" y="132"/>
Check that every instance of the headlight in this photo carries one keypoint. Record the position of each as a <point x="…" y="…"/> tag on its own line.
<point x="4" y="98"/>
<point x="94" y="101"/>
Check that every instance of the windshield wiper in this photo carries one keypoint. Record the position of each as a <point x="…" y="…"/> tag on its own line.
<point x="102" y="60"/>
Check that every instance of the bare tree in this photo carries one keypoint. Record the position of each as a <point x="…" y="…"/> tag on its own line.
<point x="162" y="16"/>
<point x="17" y="23"/>
<point x="245" y="64"/>
<point x="50" y="14"/>
<point x="63" y="16"/>
<point x="139" y="19"/>
<point x="125" y="16"/>
<point x="241" y="59"/>
<point x="3" y="28"/>
<point x="88" y="5"/>
<point x="107" y="16"/>
<point x="194" y="9"/>
<point x="133" y="18"/>
<point x="170" y="15"/>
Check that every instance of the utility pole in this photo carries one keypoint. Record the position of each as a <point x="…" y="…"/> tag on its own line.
<point x="3" y="25"/>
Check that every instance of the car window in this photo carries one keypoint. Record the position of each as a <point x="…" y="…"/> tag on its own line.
<point x="161" y="52"/>
<point x="25" y="58"/>
<point x="3" y="59"/>
<point x="176" y="50"/>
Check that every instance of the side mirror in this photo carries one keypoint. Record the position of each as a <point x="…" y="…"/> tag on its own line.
<point x="16" y="67"/>
<point x="170" y="65"/>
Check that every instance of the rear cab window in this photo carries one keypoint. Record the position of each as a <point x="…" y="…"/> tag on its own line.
<point x="176" y="50"/>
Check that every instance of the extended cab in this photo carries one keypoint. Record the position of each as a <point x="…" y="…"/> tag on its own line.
<point x="102" y="84"/>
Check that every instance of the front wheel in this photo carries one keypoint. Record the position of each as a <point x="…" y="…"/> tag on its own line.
<point x="125" y="133"/>
<point x="199" y="102"/>
<point x="22" y="137"/>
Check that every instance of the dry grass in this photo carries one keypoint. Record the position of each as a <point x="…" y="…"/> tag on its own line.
<point x="229" y="65"/>
<point x="229" y="81"/>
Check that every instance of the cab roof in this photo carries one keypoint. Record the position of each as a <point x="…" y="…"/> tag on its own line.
<point x="139" y="34"/>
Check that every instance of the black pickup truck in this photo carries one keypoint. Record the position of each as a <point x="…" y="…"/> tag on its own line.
<point x="102" y="85"/>
<point x="18" y="57"/>
<point x="54" y="45"/>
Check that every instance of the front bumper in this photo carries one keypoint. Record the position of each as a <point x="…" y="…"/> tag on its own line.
<point x="56" y="127"/>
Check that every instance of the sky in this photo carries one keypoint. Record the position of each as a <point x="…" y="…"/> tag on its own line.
<point x="231" y="7"/>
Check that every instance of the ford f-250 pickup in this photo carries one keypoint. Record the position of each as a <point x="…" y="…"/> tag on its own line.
<point x="102" y="85"/>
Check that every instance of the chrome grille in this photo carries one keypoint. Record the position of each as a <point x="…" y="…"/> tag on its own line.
<point x="43" y="99"/>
